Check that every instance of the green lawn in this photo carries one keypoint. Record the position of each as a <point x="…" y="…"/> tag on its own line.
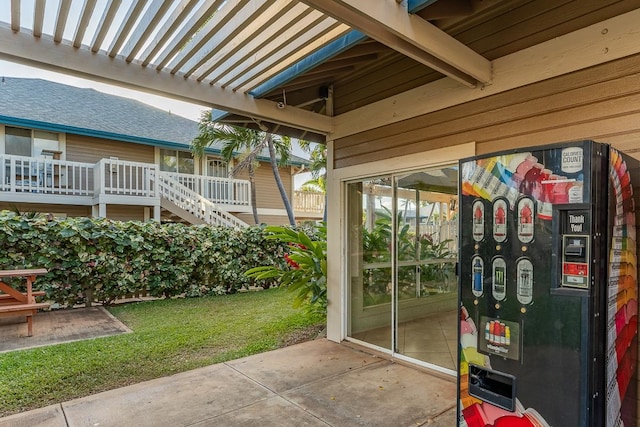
<point x="168" y="336"/>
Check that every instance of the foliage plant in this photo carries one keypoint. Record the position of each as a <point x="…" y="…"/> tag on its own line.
<point x="101" y="260"/>
<point x="377" y="244"/>
<point x="305" y="272"/>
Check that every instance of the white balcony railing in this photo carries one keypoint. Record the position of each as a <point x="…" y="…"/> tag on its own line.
<point x="224" y="191"/>
<point x="27" y="177"/>
<point x="20" y="174"/>
<point x="120" y="177"/>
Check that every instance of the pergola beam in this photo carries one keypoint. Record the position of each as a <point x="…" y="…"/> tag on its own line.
<point x="126" y="25"/>
<point x="178" y="15"/>
<point x="105" y="23"/>
<point x="85" y="16"/>
<point x="15" y="15"/>
<point x="199" y="18"/>
<point x="390" y="23"/>
<point x="61" y="19"/>
<point x="38" y="17"/>
<point x="222" y="26"/>
<point x="44" y="53"/>
<point x="145" y="27"/>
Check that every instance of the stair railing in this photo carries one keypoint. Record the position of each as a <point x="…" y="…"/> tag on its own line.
<point x="192" y="202"/>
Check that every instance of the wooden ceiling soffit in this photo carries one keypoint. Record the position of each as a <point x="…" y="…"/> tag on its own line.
<point x="603" y="42"/>
<point x="389" y="23"/>
<point x="43" y="52"/>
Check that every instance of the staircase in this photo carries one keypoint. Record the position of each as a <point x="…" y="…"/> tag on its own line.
<point x="191" y="206"/>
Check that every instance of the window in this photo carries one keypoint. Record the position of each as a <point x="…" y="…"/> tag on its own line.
<point x="17" y="141"/>
<point x="44" y="143"/>
<point x="29" y="143"/>
<point x="177" y="161"/>
<point x="217" y="168"/>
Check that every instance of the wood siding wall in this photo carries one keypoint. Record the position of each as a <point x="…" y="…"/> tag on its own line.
<point x="68" y="210"/>
<point x="267" y="193"/>
<point x="600" y="103"/>
<point x="265" y="219"/>
<point x="496" y="30"/>
<point x="126" y="213"/>
<point x="90" y="150"/>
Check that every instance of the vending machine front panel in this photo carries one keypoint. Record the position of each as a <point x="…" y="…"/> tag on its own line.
<point x="548" y="288"/>
<point x="524" y="339"/>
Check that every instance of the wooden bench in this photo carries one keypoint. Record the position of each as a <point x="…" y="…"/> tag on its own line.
<point x="16" y="303"/>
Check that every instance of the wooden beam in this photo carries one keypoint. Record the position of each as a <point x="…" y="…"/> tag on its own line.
<point x="15" y="15"/>
<point x="38" y="17"/>
<point x="126" y="25"/>
<point x="297" y="34"/>
<point x="224" y="25"/>
<point x="44" y="53"/>
<point x="202" y="15"/>
<point x="61" y="20"/>
<point x="172" y="23"/>
<point x="145" y="27"/>
<point x="599" y="43"/>
<point x="85" y="16"/>
<point x="392" y="25"/>
<point x="105" y="23"/>
<point x="237" y="31"/>
<point x="254" y="46"/>
<point x="300" y="47"/>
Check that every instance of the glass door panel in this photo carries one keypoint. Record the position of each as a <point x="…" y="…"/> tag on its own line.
<point x="402" y="250"/>
<point x="426" y="238"/>
<point x="370" y="261"/>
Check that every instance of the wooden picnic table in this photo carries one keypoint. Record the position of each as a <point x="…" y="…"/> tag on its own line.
<point x="16" y="303"/>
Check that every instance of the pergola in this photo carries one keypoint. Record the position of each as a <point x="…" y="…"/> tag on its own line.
<point x="276" y="62"/>
<point x="235" y="55"/>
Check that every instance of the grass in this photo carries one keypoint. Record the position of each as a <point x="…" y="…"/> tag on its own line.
<point x="169" y="336"/>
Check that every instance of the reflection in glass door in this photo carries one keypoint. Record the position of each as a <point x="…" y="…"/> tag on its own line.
<point x="426" y="303"/>
<point x="370" y="256"/>
<point x="402" y="246"/>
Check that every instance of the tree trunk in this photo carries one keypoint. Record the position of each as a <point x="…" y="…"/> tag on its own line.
<point x="276" y="175"/>
<point x="252" y="187"/>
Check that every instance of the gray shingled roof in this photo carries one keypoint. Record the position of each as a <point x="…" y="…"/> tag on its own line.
<point x="42" y="104"/>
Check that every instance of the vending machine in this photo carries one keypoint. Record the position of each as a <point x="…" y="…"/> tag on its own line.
<point x="548" y="288"/>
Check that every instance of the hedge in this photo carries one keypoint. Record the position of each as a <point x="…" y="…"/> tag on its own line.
<point x="100" y="260"/>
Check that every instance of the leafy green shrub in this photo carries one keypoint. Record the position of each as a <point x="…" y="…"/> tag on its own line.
<point x="306" y="269"/>
<point x="102" y="260"/>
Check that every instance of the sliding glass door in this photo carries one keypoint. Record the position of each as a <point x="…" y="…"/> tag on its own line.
<point x="402" y="249"/>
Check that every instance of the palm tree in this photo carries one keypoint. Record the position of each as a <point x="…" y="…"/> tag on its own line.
<point x="281" y="145"/>
<point x="251" y="144"/>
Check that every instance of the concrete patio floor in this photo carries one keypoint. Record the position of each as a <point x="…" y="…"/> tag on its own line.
<point x="317" y="383"/>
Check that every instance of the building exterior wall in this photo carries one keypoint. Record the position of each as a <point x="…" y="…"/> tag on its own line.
<point x="600" y="103"/>
<point x="125" y="213"/>
<point x="58" y="210"/>
<point x="87" y="149"/>
<point x="265" y="219"/>
<point x="267" y="194"/>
